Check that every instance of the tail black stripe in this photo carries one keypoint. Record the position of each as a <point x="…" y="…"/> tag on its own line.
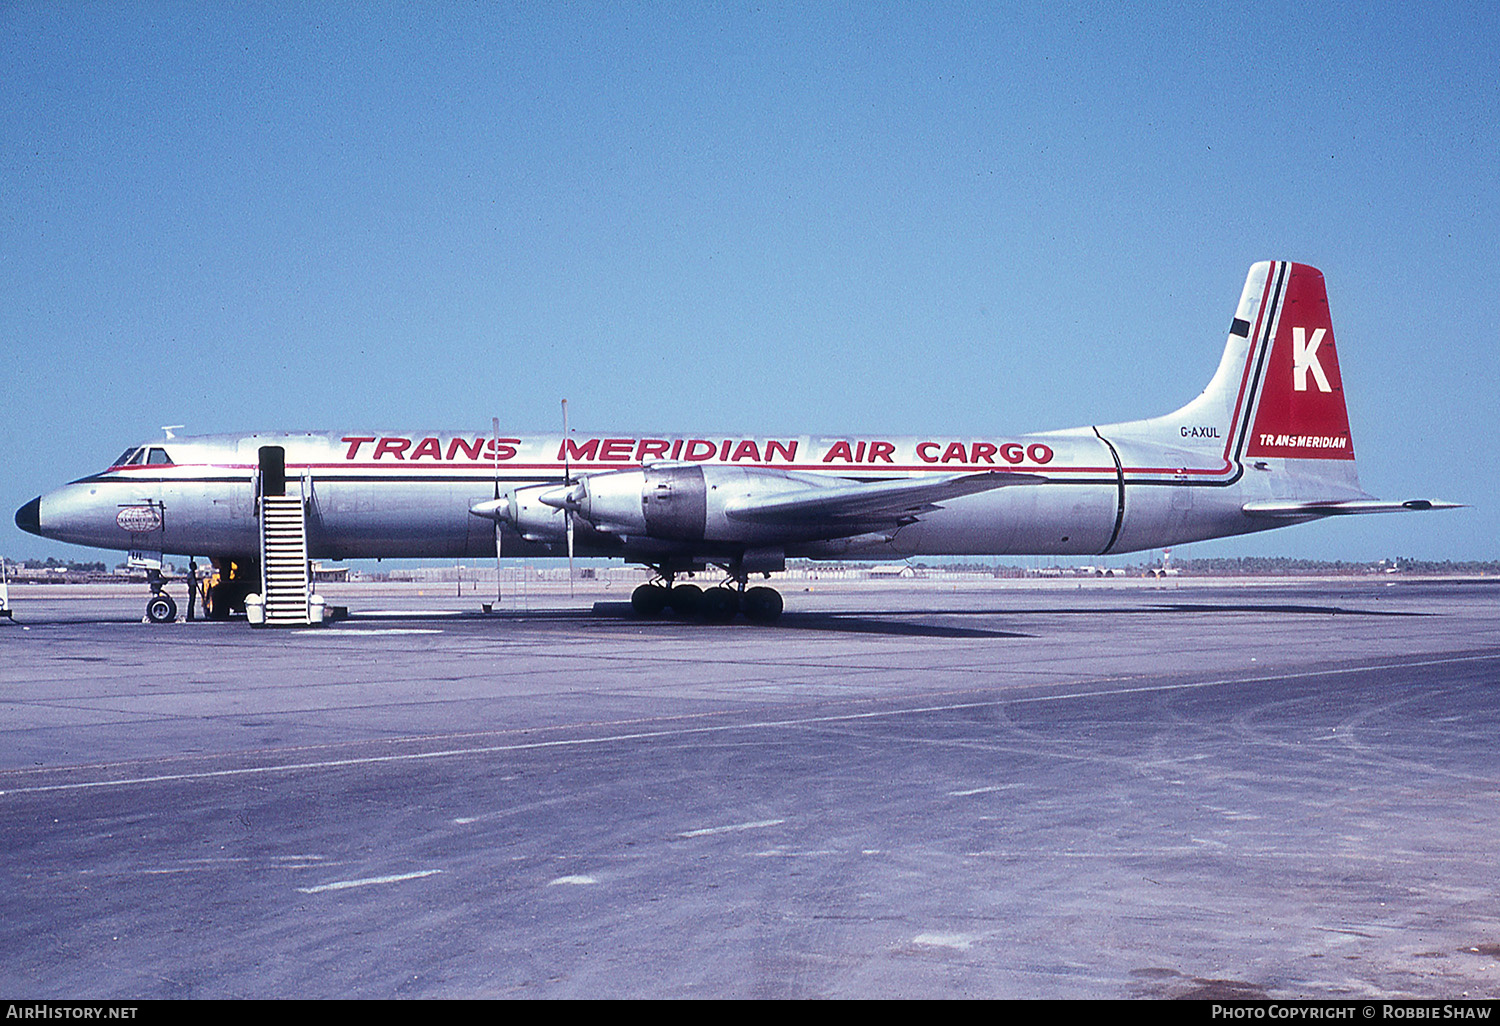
<point x="1267" y="332"/>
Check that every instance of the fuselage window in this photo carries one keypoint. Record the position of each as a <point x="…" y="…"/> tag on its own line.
<point x="158" y="457"/>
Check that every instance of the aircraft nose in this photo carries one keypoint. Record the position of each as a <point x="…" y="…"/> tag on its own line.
<point x="29" y="516"/>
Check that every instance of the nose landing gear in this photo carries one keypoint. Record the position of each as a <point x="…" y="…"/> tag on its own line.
<point x="160" y="607"/>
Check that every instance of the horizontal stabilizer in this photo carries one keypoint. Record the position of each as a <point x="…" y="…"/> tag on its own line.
<point x="874" y="500"/>
<point x="1346" y="507"/>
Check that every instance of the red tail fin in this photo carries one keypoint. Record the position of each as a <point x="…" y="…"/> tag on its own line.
<point x="1301" y="413"/>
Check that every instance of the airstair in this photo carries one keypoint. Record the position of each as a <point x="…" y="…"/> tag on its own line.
<point x="283" y="560"/>
<point x="286" y="577"/>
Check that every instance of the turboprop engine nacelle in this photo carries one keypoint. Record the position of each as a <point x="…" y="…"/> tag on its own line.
<point x="621" y="502"/>
<point x="677" y="502"/>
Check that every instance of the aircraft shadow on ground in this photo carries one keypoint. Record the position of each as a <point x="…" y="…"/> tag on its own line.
<point x="836" y="623"/>
<point x="897" y="623"/>
<point x="900" y="622"/>
<point x="1274" y="607"/>
<point x="1157" y="609"/>
<point x="894" y="622"/>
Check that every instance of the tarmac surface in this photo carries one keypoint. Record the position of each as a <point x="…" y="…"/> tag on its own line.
<point x="916" y="789"/>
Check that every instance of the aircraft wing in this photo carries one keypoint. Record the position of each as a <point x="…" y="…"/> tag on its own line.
<point x="1280" y="509"/>
<point x="866" y="501"/>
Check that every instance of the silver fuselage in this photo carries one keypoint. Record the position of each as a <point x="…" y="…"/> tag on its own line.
<point x="404" y="494"/>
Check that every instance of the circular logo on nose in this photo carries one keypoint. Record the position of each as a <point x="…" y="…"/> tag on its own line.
<point x="139" y="519"/>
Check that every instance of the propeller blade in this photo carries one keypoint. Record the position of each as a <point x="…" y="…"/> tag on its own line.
<point x="567" y="463"/>
<point x="567" y="509"/>
<point x="569" y="515"/>
<point x="500" y="533"/>
<point x="499" y="530"/>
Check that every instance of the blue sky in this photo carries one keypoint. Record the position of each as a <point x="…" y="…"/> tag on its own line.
<point x="889" y="218"/>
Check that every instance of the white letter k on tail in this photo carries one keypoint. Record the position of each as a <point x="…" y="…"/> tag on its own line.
<point x="1305" y="358"/>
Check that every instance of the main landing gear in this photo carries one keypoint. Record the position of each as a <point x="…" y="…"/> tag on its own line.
<point x="716" y="605"/>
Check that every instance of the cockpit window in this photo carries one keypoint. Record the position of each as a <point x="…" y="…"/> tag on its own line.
<point x="138" y="456"/>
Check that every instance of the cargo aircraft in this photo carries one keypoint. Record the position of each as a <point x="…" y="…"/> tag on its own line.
<point x="1266" y="444"/>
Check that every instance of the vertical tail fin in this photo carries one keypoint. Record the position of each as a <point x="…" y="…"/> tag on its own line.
<point x="1275" y="405"/>
<point x="1278" y="392"/>
<point x="1299" y="412"/>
